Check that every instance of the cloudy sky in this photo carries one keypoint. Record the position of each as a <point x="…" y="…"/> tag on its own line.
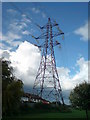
<point x="16" y="44"/>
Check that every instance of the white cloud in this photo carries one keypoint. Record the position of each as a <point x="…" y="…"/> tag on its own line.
<point x="38" y="11"/>
<point x="10" y="36"/>
<point x="9" y="39"/>
<point x="43" y="15"/>
<point x="12" y="11"/>
<point x="26" y="32"/>
<point x="69" y="82"/>
<point x="14" y="34"/>
<point x="5" y="54"/>
<point x="4" y="47"/>
<point x="15" y="30"/>
<point x="65" y="79"/>
<point x="16" y="43"/>
<point x="25" y="61"/>
<point x="83" y="32"/>
<point x="35" y="10"/>
<point x="82" y="74"/>
<point x="25" y="19"/>
<point x="17" y="26"/>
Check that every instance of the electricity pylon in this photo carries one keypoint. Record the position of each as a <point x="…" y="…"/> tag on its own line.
<point x="47" y="83"/>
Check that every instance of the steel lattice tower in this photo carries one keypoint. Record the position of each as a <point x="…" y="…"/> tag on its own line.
<point x="47" y="83"/>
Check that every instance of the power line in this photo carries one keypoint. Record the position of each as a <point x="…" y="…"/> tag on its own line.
<point x="23" y="13"/>
<point x="32" y="21"/>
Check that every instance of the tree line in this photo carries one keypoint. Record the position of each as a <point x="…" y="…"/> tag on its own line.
<point x="12" y="91"/>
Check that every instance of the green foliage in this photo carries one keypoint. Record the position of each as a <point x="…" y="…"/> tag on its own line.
<point x="12" y="90"/>
<point x="42" y="106"/>
<point x="51" y="108"/>
<point x="80" y="96"/>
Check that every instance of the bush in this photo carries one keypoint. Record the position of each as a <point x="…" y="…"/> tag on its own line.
<point x="51" y="107"/>
<point x="42" y="106"/>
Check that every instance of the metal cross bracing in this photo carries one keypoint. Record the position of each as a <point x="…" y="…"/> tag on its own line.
<point x="47" y="83"/>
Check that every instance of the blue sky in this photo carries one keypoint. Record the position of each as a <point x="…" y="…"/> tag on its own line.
<point x="70" y="17"/>
<point x="71" y="58"/>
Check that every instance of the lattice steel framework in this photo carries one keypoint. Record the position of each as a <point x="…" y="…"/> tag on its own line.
<point x="47" y="83"/>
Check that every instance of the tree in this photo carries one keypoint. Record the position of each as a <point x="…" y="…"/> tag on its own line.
<point x="12" y="90"/>
<point x="80" y="97"/>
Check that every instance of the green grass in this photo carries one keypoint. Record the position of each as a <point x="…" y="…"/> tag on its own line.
<point x="74" y="114"/>
<point x="62" y="116"/>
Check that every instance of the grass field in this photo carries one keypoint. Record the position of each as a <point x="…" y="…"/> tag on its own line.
<point x="62" y="116"/>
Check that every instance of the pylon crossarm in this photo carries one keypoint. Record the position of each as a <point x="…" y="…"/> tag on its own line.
<point x="45" y="26"/>
<point x="42" y="36"/>
<point x="56" y="43"/>
<point x="57" y="34"/>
